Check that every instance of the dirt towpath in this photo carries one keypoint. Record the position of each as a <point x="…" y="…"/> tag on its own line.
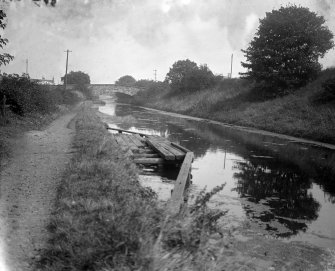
<point x="27" y="192"/>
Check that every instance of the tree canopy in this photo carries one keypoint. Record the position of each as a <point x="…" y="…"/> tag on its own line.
<point x="126" y="80"/>
<point x="185" y="75"/>
<point x="78" y="78"/>
<point x="285" y="51"/>
<point x="4" y="57"/>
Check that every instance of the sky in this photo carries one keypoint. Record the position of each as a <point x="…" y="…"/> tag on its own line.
<point x="112" y="38"/>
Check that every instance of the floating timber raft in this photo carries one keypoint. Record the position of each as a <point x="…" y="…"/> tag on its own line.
<point x="150" y="150"/>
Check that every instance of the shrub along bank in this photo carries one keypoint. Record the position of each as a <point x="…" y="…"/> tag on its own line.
<point x="308" y="112"/>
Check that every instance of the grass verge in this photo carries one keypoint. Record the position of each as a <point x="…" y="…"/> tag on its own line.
<point x="103" y="219"/>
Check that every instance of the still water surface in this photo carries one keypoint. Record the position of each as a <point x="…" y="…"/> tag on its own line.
<point x="280" y="187"/>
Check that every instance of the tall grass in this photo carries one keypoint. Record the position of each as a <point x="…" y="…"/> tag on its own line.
<point x="104" y="219"/>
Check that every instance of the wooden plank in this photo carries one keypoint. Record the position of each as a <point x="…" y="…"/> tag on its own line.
<point x="140" y="138"/>
<point x="177" y="153"/>
<point x="113" y="139"/>
<point x="146" y="161"/>
<point x="145" y="150"/>
<point x="180" y="147"/>
<point x="146" y="155"/>
<point x="137" y="142"/>
<point x="163" y="142"/>
<point x="123" y="145"/>
<point x="130" y="140"/>
<point x="162" y="151"/>
<point x="130" y="143"/>
<point x="157" y="138"/>
<point x="120" y="141"/>
<point x="177" y="197"/>
<point x="126" y="131"/>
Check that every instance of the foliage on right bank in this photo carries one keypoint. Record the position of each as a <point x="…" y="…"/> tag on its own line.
<point x="284" y="54"/>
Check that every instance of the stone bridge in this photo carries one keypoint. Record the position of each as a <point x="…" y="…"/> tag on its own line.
<point x="108" y="89"/>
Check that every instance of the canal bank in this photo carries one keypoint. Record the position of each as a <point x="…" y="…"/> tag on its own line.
<point x="104" y="218"/>
<point x="266" y="193"/>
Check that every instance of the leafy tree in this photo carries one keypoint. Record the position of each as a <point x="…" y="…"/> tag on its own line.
<point x="200" y="78"/>
<point x="179" y="70"/>
<point x="126" y="81"/>
<point x="185" y="75"/>
<point x="284" y="53"/>
<point x="4" y="58"/>
<point x="78" y="78"/>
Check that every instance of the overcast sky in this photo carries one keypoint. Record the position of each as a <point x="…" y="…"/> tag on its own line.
<point x="112" y="38"/>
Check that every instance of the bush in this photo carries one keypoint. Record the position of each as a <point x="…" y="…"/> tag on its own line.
<point x="144" y="83"/>
<point x="325" y="89"/>
<point x="153" y="90"/>
<point x="329" y="88"/>
<point x="24" y="96"/>
<point x="85" y="90"/>
<point x="63" y="96"/>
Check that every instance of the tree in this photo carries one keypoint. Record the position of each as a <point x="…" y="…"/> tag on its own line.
<point x="177" y="73"/>
<point x="126" y="81"/>
<point x="284" y="53"/>
<point x="185" y="75"/>
<point x="4" y="58"/>
<point x="200" y="78"/>
<point x="77" y="78"/>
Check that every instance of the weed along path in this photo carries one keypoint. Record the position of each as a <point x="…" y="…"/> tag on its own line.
<point x="28" y="189"/>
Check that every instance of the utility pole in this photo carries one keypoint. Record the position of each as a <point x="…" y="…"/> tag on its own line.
<point x="67" y="61"/>
<point x="155" y="74"/>
<point x="231" y="66"/>
<point x="27" y="67"/>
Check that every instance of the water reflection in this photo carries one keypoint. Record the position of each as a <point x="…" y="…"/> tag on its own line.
<point x="282" y="188"/>
<point x="286" y="188"/>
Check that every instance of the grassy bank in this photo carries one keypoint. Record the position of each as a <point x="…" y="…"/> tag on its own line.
<point x="103" y="219"/>
<point x="301" y="114"/>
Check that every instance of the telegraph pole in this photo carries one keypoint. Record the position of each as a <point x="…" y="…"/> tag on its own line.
<point x="67" y="61"/>
<point x="27" y="67"/>
<point x="155" y="74"/>
<point x="231" y="66"/>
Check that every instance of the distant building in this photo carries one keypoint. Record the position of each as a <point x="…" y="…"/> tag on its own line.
<point x="44" y="81"/>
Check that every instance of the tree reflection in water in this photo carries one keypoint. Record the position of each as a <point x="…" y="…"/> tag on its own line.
<point x="282" y="189"/>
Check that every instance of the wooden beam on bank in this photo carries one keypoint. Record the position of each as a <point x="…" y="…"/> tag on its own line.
<point x="149" y="161"/>
<point x="177" y="197"/>
<point x="126" y="131"/>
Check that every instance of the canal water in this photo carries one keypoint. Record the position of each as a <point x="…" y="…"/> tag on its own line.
<point x="279" y="187"/>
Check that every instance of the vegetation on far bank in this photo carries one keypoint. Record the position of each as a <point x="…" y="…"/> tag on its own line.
<point x="308" y="112"/>
<point x="283" y="89"/>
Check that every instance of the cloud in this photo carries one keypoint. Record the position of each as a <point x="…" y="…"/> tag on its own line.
<point x="110" y="38"/>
